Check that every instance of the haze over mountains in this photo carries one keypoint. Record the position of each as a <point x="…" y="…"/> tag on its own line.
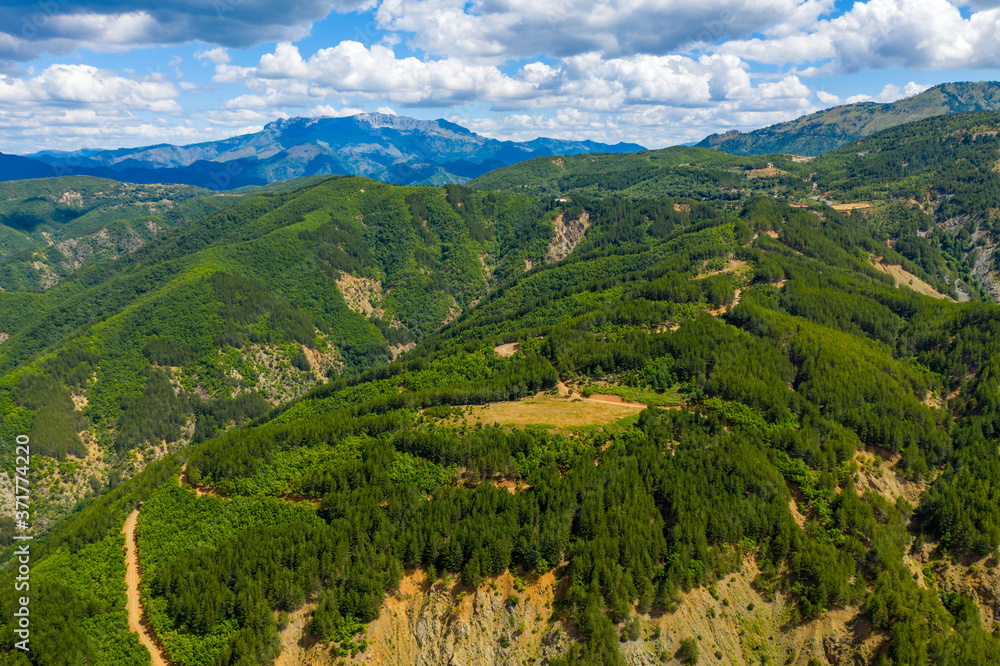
<point x="393" y="149"/>
<point x="832" y="128"/>
<point x="401" y="150"/>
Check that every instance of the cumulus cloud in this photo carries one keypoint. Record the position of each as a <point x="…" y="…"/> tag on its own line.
<point x="915" y="34"/>
<point x="86" y="86"/>
<point x="828" y="99"/>
<point x="218" y="56"/>
<point x="373" y="72"/>
<point x="652" y="71"/>
<point x="523" y="28"/>
<point x="603" y="84"/>
<point x="28" y="29"/>
<point x="91" y="104"/>
<point x="660" y="98"/>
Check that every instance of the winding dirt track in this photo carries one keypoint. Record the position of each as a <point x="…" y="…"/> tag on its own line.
<point x="135" y="622"/>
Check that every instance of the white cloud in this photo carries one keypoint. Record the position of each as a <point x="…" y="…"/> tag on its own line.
<point x="890" y="93"/>
<point x="285" y="78"/>
<point x="327" y="111"/>
<point x="30" y="29"/>
<point x="218" y="56"/>
<point x="31" y="129"/>
<point x="84" y="85"/>
<point x="915" y="34"/>
<point x="827" y="99"/>
<point x="371" y="72"/>
<point x="496" y="29"/>
<point x="658" y="99"/>
<point x="655" y="71"/>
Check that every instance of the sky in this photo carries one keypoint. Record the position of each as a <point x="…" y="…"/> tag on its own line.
<point x="109" y="74"/>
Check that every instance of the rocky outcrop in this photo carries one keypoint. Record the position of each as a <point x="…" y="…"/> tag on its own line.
<point x="569" y="233"/>
<point x="446" y="624"/>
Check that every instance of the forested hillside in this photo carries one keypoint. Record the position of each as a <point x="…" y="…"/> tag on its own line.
<point x="678" y="171"/>
<point x="49" y="227"/>
<point x="931" y="185"/>
<point x="786" y="409"/>
<point x="240" y="310"/>
<point x="929" y="189"/>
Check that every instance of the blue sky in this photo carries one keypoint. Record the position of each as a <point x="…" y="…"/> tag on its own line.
<point x="657" y="72"/>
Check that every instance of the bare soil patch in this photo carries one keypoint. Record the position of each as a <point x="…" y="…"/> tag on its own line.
<point x="903" y="277"/>
<point x="297" y="646"/>
<point x="441" y="622"/>
<point x="569" y="233"/>
<point x="508" y="349"/>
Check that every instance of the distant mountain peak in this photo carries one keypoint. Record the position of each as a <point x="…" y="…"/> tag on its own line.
<point x="383" y="146"/>
<point x="838" y="126"/>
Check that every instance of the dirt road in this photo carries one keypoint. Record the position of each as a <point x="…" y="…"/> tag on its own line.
<point x="135" y="622"/>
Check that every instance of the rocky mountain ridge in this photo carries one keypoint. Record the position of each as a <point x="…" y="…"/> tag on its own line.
<point x="394" y="149"/>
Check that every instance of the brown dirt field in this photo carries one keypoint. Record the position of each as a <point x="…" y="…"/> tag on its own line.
<point x="510" y="485"/>
<point x="553" y="411"/>
<point x="361" y="294"/>
<point x="907" y="279"/>
<point x="135" y="621"/>
<point x="858" y="205"/>
<point x="933" y="400"/>
<point x="558" y="411"/>
<point x="612" y="399"/>
<point x="568" y="235"/>
<point x="799" y="517"/>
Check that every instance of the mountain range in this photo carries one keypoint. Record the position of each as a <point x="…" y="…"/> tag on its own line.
<point x="838" y="126"/>
<point x="389" y="148"/>
<point x="669" y="406"/>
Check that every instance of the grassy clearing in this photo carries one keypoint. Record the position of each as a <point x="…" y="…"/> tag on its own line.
<point x="552" y="411"/>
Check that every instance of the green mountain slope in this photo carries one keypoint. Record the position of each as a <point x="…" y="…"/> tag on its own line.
<point x="928" y="189"/>
<point x="797" y="367"/>
<point x="245" y="308"/>
<point x="49" y="227"/>
<point x="826" y="130"/>
<point x="932" y="185"/>
<point x="678" y="171"/>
